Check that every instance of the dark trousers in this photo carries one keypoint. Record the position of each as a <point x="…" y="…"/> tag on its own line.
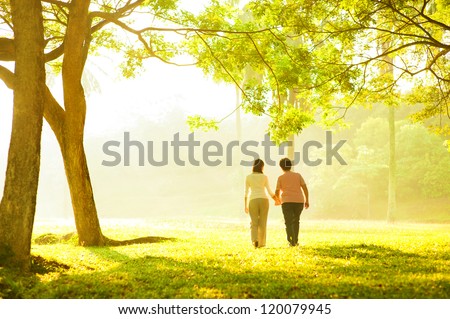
<point x="292" y="212"/>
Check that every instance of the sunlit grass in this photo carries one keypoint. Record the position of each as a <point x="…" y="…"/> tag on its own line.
<point x="214" y="259"/>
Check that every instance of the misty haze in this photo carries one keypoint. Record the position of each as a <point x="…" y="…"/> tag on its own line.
<point x="164" y="149"/>
<point x="137" y="191"/>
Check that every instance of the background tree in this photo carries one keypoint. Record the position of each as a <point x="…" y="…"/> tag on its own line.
<point x="422" y="162"/>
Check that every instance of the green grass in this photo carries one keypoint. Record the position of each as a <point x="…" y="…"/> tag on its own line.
<point x="214" y="259"/>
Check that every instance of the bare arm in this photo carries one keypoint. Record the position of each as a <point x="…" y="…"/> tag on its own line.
<point x="306" y="192"/>
<point x="277" y="191"/>
<point x="269" y="190"/>
<point x="247" y="188"/>
<point x="246" y="204"/>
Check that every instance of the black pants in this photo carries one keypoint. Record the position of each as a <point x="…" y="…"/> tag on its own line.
<point x="292" y="212"/>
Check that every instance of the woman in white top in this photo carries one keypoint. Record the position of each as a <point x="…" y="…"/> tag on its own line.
<point x="258" y="207"/>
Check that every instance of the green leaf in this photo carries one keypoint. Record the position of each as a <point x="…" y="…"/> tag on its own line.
<point x="196" y="122"/>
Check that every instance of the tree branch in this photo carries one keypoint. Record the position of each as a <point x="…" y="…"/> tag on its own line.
<point x="428" y="18"/>
<point x="7" y="77"/>
<point x="57" y="2"/>
<point x="269" y="67"/>
<point x="222" y="65"/>
<point x="7" y="49"/>
<point x="54" y="114"/>
<point x="6" y="22"/>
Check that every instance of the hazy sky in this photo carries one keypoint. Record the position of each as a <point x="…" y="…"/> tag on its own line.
<point x="153" y="93"/>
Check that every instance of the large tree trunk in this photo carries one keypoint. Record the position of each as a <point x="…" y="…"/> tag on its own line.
<point x="83" y="203"/>
<point x="17" y="208"/>
<point x="75" y="52"/>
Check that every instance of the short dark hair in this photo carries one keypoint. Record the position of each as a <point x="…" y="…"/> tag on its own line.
<point x="285" y="164"/>
<point x="258" y="165"/>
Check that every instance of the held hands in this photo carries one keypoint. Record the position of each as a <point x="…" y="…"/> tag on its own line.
<point x="277" y="200"/>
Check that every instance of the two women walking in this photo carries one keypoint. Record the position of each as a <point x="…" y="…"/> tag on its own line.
<point x="294" y="197"/>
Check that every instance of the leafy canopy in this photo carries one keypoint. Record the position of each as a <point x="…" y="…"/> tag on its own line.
<point x="294" y="61"/>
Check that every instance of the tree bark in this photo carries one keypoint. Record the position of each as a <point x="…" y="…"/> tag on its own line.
<point x="75" y="52"/>
<point x="18" y="205"/>
<point x="82" y="196"/>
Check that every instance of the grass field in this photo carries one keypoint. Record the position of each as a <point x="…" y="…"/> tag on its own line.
<point x="214" y="259"/>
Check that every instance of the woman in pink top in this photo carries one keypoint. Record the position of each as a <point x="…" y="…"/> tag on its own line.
<point x="294" y="197"/>
<point x="258" y="207"/>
